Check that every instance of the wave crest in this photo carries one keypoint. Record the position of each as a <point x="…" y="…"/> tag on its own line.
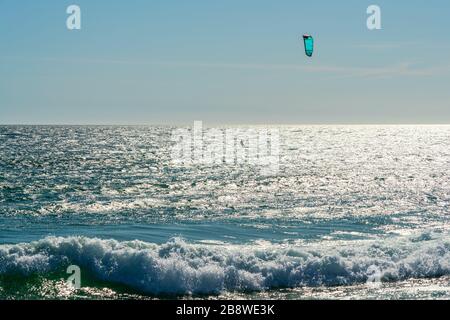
<point x="178" y="267"/>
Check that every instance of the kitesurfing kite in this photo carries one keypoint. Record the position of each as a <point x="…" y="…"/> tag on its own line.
<point x="309" y="44"/>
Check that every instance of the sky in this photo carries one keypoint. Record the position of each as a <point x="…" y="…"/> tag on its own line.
<point x="224" y="62"/>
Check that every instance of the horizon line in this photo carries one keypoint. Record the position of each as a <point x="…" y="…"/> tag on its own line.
<point x="215" y="124"/>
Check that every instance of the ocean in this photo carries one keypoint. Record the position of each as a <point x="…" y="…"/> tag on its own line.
<point x="354" y="212"/>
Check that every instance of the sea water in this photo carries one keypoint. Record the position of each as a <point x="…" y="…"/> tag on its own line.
<point x="354" y="212"/>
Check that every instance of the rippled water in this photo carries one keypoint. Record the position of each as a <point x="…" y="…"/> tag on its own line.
<point x="349" y="205"/>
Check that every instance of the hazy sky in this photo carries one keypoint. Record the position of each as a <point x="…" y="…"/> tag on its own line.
<point x="228" y="61"/>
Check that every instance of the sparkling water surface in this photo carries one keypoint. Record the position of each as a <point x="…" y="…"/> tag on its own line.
<point x="350" y="205"/>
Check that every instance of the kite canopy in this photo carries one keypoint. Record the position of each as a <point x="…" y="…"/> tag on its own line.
<point x="309" y="44"/>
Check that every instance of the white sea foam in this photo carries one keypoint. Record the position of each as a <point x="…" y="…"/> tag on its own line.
<point x="178" y="267"/>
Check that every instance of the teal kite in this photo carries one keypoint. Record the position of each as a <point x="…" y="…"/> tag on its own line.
<point x="309" y="45"/>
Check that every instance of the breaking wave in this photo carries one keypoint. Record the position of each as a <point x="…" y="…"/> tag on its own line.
<point x="178" y="267"/>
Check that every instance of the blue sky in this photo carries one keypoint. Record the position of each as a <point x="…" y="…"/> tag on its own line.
<point x="236" y="62"/>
